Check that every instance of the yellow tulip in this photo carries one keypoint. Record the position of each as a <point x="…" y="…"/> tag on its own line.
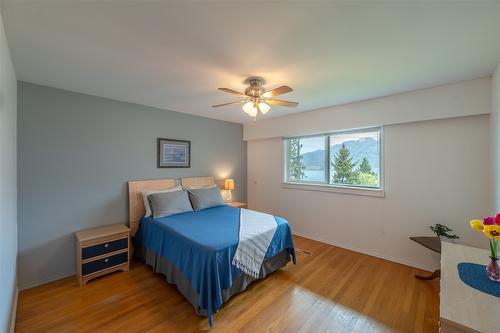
<point x="476" y="224"/>
<point x="492" y="231"/>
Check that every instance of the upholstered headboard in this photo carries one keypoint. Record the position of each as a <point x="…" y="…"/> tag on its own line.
<point x="136" y="202"/>
<point x="197" y="181"/>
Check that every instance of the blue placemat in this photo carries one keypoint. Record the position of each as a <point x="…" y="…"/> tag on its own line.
<point x="474" y="276"/>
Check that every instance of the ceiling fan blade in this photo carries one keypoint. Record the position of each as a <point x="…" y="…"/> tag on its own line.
<point x="231" y="91"/>
<point x="237" y="102"/>
<point x="281" y="103"/>
<point x="277" y="91"/>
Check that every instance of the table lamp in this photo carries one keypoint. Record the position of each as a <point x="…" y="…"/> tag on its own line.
<point x="229" y="186"/>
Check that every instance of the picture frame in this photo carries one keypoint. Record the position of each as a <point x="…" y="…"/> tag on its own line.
<point x="174" y="153"/>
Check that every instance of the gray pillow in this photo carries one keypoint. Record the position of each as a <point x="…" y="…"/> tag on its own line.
<point x="169" y="203"/>
<point x="203" y="198"/>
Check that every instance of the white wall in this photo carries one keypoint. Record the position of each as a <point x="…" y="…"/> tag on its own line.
<point x="436" y="171"/>
<point x="495" y="131"/>
<point x="465" y="98"/>
<point x="8" y="182"/>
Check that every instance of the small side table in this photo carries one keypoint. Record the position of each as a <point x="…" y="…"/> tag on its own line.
<point x="102" y="250"/>
<point x="462" y="308"/>
<point x="237" y="204"/>
<point x="431" y="243"/>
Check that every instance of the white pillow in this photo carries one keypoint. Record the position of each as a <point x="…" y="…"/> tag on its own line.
<point x="199" y="187"/>
<point x="145" y="195"/>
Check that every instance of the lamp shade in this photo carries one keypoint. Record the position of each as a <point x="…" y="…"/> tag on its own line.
<point x="229" y="184"/>
<point x="264" y="107"/>
<point x="250" y="109"/>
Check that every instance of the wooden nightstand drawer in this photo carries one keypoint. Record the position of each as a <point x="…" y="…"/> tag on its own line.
<point x="108" y="247"/>
<point x="100" y="264"/>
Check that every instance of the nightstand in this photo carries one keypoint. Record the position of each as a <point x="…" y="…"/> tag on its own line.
<point x="100" y="251"/>
<point x="237" y="204"/>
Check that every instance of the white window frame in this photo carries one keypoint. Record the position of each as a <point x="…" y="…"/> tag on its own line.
<point x="336" y="188"/>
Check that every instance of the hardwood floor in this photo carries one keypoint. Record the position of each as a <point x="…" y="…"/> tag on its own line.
<point x="331" y="290"/>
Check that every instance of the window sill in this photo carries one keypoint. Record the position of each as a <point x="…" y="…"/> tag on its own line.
<point x="335" y="189"/>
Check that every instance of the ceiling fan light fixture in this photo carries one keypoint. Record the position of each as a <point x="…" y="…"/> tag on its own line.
<point x="250" y="109"/>
<point x="257" y="99"/>
<point x="264" y="107"/>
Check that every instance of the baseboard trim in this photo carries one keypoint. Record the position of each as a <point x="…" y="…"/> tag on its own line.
<point x="370" y="253"/>
<point x="13" y="312"/>
<point x="24" y="285"/>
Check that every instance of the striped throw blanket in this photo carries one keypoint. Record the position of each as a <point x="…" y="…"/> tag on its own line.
<point x="256" y="232"/>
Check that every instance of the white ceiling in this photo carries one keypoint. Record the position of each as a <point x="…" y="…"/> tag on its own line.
<point x="175" y="55"/>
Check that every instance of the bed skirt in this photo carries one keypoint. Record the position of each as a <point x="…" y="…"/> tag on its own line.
<point x="174" y="276"/>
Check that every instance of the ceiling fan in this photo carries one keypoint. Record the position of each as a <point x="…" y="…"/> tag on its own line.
<point x="256" y="99"/>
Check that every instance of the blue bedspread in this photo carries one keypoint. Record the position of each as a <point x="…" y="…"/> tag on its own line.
<point x="201" y="245"/>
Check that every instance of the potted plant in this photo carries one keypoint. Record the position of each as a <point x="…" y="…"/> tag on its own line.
<point x="443" y="231"/>
<point x="490" y="226"/>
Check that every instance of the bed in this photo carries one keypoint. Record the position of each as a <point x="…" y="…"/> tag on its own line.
<point x="194" y="250"/>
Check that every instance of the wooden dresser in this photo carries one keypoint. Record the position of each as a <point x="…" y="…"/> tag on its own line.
<point x="100" y="251"/>
<point x="462" y="308"/>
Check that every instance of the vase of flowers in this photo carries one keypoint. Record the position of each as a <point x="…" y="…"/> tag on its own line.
<point x="490" y="226"/>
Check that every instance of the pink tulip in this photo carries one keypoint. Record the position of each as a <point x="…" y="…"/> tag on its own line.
<point x="489" y="220"/>
<point x="497" y="219"/>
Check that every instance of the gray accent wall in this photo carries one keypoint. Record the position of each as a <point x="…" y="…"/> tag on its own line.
<point x="75" y="155"/>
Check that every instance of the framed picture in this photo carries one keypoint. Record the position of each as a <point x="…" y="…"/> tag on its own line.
<point x="174" y="153"/>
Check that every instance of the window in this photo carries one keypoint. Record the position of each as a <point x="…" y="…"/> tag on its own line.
<point x="343" y="159"/>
